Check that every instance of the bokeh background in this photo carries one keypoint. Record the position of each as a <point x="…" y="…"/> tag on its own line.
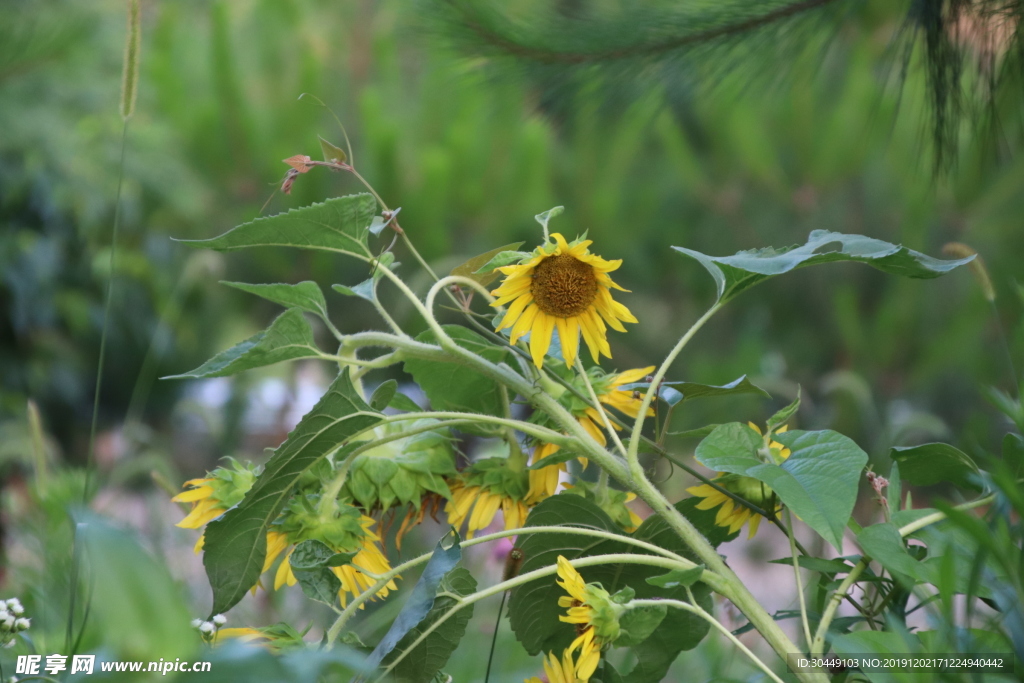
<point x="730" y="161"/>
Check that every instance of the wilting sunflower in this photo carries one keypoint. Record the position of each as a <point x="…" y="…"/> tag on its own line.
<point x="562" y="286"/>
<point x="343" y="529"/>
<point x="485" y="487"/>
<point x="557" y="671"/>
<point x="593" y="612"/>
<point x="215" y="494"/>
<point x="609" y="391"/>
<point x="731" y="514"/>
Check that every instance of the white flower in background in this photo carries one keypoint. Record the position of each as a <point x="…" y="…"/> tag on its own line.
<point x="196" y="623"/>
<point x="14" y="605"/>
<point x="22" y="624"/>
<point x="207" y="628"/>
<point x="220" y="619"/>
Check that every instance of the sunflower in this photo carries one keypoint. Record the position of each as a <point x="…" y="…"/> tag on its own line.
<point x="609" y="391"/>
<point x="612" y="501"/>
<point x="214" y="495"/>
<point x="732" y="515"/>
<point x="557" y="671"/>
<point x="563" y="286"/>
<point x="343" y="529"/>
<point x="483" y="488"/>
<point x="594" y="614"/>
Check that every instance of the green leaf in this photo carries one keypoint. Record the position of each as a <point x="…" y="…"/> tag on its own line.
<point x="318" y="584"/>
<point x="471" y="267"/>
<point x="310" y="554"/>
<point x="931" y="463"/>
<point x="425" y="662"/>
<point x="338" y="225"/>
<point x="500" y="260"/>
<point x="894" y="491"/>
<point x="332" y="152"/>
<point x="687" y="391"/>
<point x="545" y="217"/>
<point x="304" y="295"/>
<point x="639" y="623"/>
<point x="817" y="564"/>
<point x="533" y="607"/>
<point x="734" y="274"/>
<point x="444" y="558"/>
<point x="236" y="544"/>
<point x="367" y="289"/>
<point x="383" y="394"/>
<point x="288" y="337"/>
<point x="697" y="433"/>
<point x="781" y="417"/>
<point x="677" y="577"/>
<point x="731" y="447"/>
<point x="818" y="481"/>
<point x="883" y="543"/>
<point x="1013" y="453"/>
<point x="402" y="402"/>
<point x="455" y="387"/>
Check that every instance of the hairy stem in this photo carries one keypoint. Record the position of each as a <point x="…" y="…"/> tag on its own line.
<point x="694" y="608"/>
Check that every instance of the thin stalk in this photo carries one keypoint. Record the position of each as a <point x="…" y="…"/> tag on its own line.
<point x="638" y="426"/>
<point x="703" y="614"/>
<point x="799" y="581"/>
<point x="91" y="456"/>
<point x="599" y="407"/>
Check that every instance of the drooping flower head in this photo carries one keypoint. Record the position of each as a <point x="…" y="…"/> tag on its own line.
<point x="483" y="488"/>
<point x="594" y="613"/>
<point x="609" y="391"/>
<point x="557" y="671"/>
<point x="731" y="514"/>
<point x="343" y="529"/>
<point x="215" y="494"/>
<point x="562" y="286"/>
<point x="402" y="473"/>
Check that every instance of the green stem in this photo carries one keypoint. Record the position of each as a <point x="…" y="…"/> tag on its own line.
<point x="632" y="456"/>
<point x="91" y="455"/>
<point x="703" y="614"/>
<point x="799" y="581"/>
<point x="599" y="407"/>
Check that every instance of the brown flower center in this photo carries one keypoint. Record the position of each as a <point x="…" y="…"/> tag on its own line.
<point x="563" y="286"/>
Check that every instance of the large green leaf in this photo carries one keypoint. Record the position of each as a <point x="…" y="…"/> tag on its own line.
<point x="455" y="387"/>
<point x="734" y="274"/>
<point x="446" y="555"/>
<point x="469" y="268"/>
<point x="533" y="608"/>
<point x="305" y="295"/>
<point x="818" y="481"/>
<point x="288" y="337"/>
<point x="339" y="225"/>
<point x="931" y="463"/>
<point x="236" y="544"/>
<point x="423" y="663"/>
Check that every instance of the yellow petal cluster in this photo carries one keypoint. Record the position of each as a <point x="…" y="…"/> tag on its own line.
<point x="562" y="287"/>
